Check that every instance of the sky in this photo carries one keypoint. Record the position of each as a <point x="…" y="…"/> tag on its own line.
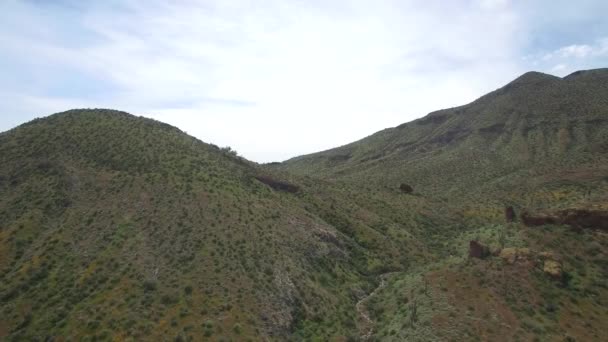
<point x="280" y="78"/>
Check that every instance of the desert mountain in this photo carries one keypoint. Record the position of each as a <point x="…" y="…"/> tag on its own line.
<point x="116" y="227"/>
<point x="537" y="125"/>
<point x="536" y="147"/>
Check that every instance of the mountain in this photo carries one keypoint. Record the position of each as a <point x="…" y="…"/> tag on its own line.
<point x="482" y="222"/>
<point x="537" y="145"/>
<point x="114" y="226"/>
<point x="535" y="126"/>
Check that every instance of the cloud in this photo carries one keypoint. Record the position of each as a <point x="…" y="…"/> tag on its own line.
<point x="579" y="51"/>
<point x="598" y="49"/>
<point x="559" y="68"/>
<point x="273" y="79"/>
<point x="566" y="59"/>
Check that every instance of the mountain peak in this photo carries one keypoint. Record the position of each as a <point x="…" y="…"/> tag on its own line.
<point x="591" y="73"/>
<point x="534" y="77"/>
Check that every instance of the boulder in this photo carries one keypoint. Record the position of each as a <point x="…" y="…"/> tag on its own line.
<point x="477" y="250"/>
<point x="512" y="254"/>
<point x="510" y="214"/>
<point x="406" y="188"/>
<point x="553" y="269"/>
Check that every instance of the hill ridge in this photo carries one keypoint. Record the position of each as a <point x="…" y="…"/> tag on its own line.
<point x="543" y="119"/>
<point x="117" y="227"/>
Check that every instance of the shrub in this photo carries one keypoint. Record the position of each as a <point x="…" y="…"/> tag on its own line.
<point x="168" y="299"/>
<point x="149" y="286"/>
<point x="188" y="290"/>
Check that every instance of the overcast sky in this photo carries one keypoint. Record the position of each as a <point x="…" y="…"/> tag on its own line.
<point x="276" y="79"/>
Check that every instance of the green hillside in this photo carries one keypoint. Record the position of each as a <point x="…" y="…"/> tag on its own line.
<point x="115" y="227"/>
<point x="538" y="144"/>
<point x="535" y="126"/>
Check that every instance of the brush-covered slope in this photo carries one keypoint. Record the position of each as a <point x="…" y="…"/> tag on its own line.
<point x="116" y="227"/>
<point x="539" y="144"/>
<point x="529" y="128"/>
<point x="508" y="296"/>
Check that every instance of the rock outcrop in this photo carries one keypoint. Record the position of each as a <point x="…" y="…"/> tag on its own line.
<point x="575" y="218"/>
<point x="582" y="218"/>
<point x="278" y="185"/>
<point x="547" y="261"/>
<point x="406" y="189"/>
<point x="553" y="268"/>
<point x="510" y="214"/>
<point x="477" y="250"/>
<point x="538" y="219"/>
<point x="511" y="254"/>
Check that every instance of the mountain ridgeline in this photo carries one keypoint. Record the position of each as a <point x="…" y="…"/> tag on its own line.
<point x="536" y="124"/>
<point x="116" y="227"/>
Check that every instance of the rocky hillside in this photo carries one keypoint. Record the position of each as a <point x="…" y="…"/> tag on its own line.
<point x="536" y="126"/>
<point x="113" y="226"/>
<point x="481" y="222"/>
<point x="526" y="170"/>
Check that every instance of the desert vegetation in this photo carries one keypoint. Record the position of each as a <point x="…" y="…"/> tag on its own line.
<point x="481" y="222"/>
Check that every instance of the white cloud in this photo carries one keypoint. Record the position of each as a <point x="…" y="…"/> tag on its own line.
<point x="579" y="51"/>
<point x="275" y="79"/>
<point x="567" y="59"/>
<point x="598" y="49"/>
<point x="559" y="68"/>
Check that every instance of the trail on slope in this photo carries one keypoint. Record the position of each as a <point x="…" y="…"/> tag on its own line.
<point x="367" y="330"/>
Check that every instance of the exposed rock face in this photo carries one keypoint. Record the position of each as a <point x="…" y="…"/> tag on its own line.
<point x="547" y="260"/>
<point x="278" y="185"/>
<point x="279" y="319"/>
<point x="512" y="254"/>
<point x="552" y="266"/>
<point x="575" y="218"/>
<point x="477" y="250"/>
<point x="510" y="214"/>
<point x="581" y="218"/>
<point x="406" y="188"/>
<point x="532" y="220"/>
